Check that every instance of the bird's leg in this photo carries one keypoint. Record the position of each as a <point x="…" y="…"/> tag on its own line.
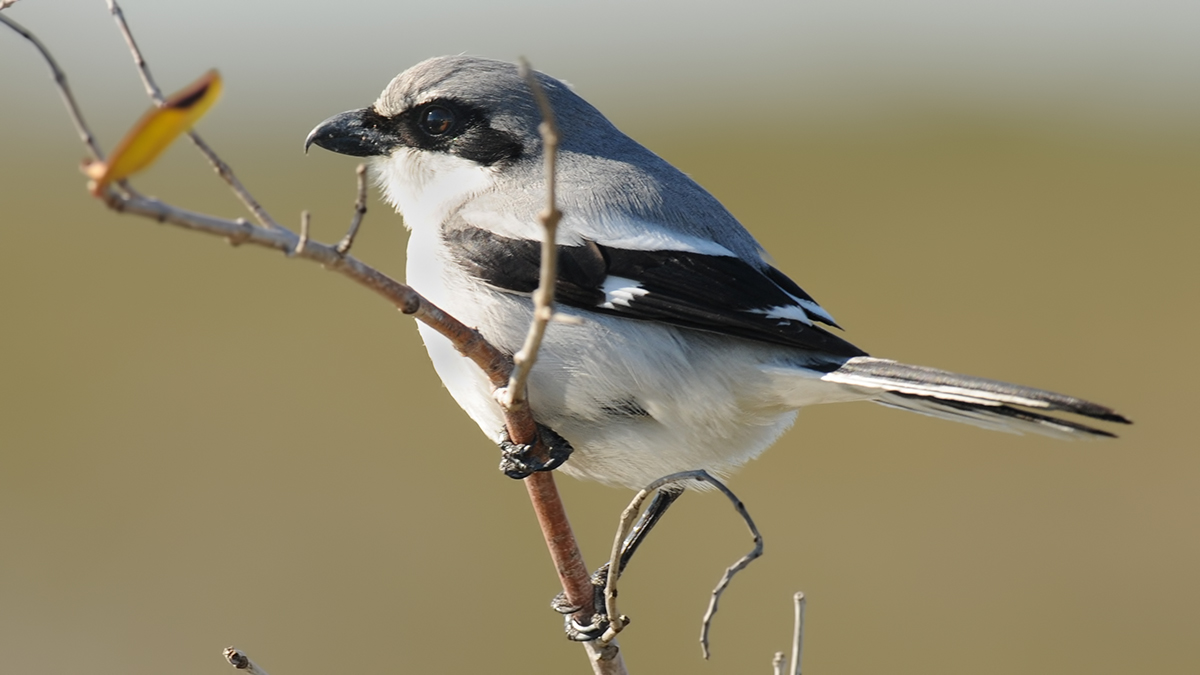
<point x="663" y="499"/>
<point x="517" y="460"/>
<point x="598" y="623"/>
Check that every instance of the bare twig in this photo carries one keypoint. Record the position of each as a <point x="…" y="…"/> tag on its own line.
<point x="143" y="68"/>
<point x="305" y="222"/>
<point x="543" y="298"/>
<point x="238" y="659"/>
<point x="798" y="632"/>
<point x="469" y="342"/>
<point x="779" y="663"/>
<point x="5" y="4"/>
<point x="606" y="659"/>
<point x="152" y="90"/>
<point x="360" y="210"/>
<point x="629" y="515"/>
<point x="731" y="570"/>
<point x="60" y="83"/>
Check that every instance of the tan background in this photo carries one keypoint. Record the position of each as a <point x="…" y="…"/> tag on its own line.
<point x="202" y="446"/>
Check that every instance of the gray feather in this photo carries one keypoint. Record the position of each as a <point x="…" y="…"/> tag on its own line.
<point x="987" y="403"/>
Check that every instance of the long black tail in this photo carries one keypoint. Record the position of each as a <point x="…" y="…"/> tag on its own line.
<point x="974" y="400"/>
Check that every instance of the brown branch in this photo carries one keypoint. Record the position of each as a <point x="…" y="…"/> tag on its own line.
<point x="240" y="231"/>
<point x="617" y="622"/>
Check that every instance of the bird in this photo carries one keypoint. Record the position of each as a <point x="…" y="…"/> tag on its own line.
<point x="682" y="346"/>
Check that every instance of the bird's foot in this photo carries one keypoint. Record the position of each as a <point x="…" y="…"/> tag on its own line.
<point x="597" y="623"/>
<point x="518" y="461"/>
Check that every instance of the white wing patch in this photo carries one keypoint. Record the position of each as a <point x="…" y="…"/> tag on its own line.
<point x="785" y="312"/>
<point x="620" y="291"/>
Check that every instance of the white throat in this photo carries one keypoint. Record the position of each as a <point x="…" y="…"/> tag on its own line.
<point x="426" y="187"/>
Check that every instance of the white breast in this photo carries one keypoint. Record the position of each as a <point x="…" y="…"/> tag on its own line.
<point x="426" y="187"/>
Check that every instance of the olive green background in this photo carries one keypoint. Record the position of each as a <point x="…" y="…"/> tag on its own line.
<point x="202" y="445"/>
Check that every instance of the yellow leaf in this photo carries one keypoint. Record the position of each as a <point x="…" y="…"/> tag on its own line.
<point x="157" y="129"/>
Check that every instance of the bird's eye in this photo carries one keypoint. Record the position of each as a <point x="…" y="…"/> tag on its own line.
<point x="437" y="120"/>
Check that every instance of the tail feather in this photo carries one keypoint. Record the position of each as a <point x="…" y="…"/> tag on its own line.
<point x="975" y="400"/>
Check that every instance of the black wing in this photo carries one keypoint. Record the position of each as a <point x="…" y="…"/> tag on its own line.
<point x="721" y="294"/>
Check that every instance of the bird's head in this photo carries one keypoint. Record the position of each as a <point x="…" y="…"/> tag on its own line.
<point x="447" y="129"/>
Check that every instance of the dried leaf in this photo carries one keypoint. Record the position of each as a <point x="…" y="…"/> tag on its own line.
<point x="157" y="129"/>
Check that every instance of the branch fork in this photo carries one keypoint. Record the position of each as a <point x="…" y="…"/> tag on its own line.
<point x="626" y="525"/>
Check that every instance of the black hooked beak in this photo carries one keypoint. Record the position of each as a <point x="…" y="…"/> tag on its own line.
<point x="359" y="133"/>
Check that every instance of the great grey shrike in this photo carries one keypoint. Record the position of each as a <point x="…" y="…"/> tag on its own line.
<point x="687" y="349"/>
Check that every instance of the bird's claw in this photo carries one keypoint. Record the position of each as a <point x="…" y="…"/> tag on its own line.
<point x="577" y="632"/>
<point x="598" y="623"/>
<point x="517" y="459"/>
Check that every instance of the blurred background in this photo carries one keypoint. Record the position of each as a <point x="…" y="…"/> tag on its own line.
<point x="203" y="446"/>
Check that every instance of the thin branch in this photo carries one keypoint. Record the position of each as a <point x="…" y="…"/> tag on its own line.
<point x="731" y="570"/>
<point x="305" y="222"/>
<point x="143" y="68"/>
<point x="605" y="659"/>
<point x="798" y="632"/>
<point x="238" y="232"/>
<point x="617" y="622"/>
<point x="5" y="4"/>
<point x="238" y="659"/>
<point x="155" y="93"/>
<point x="64" y="90"/>
<point x="543" y="298"/>
<point x="568" y="561"/>
<point x="360" y="210"/>
<point x="779" y="663"/>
